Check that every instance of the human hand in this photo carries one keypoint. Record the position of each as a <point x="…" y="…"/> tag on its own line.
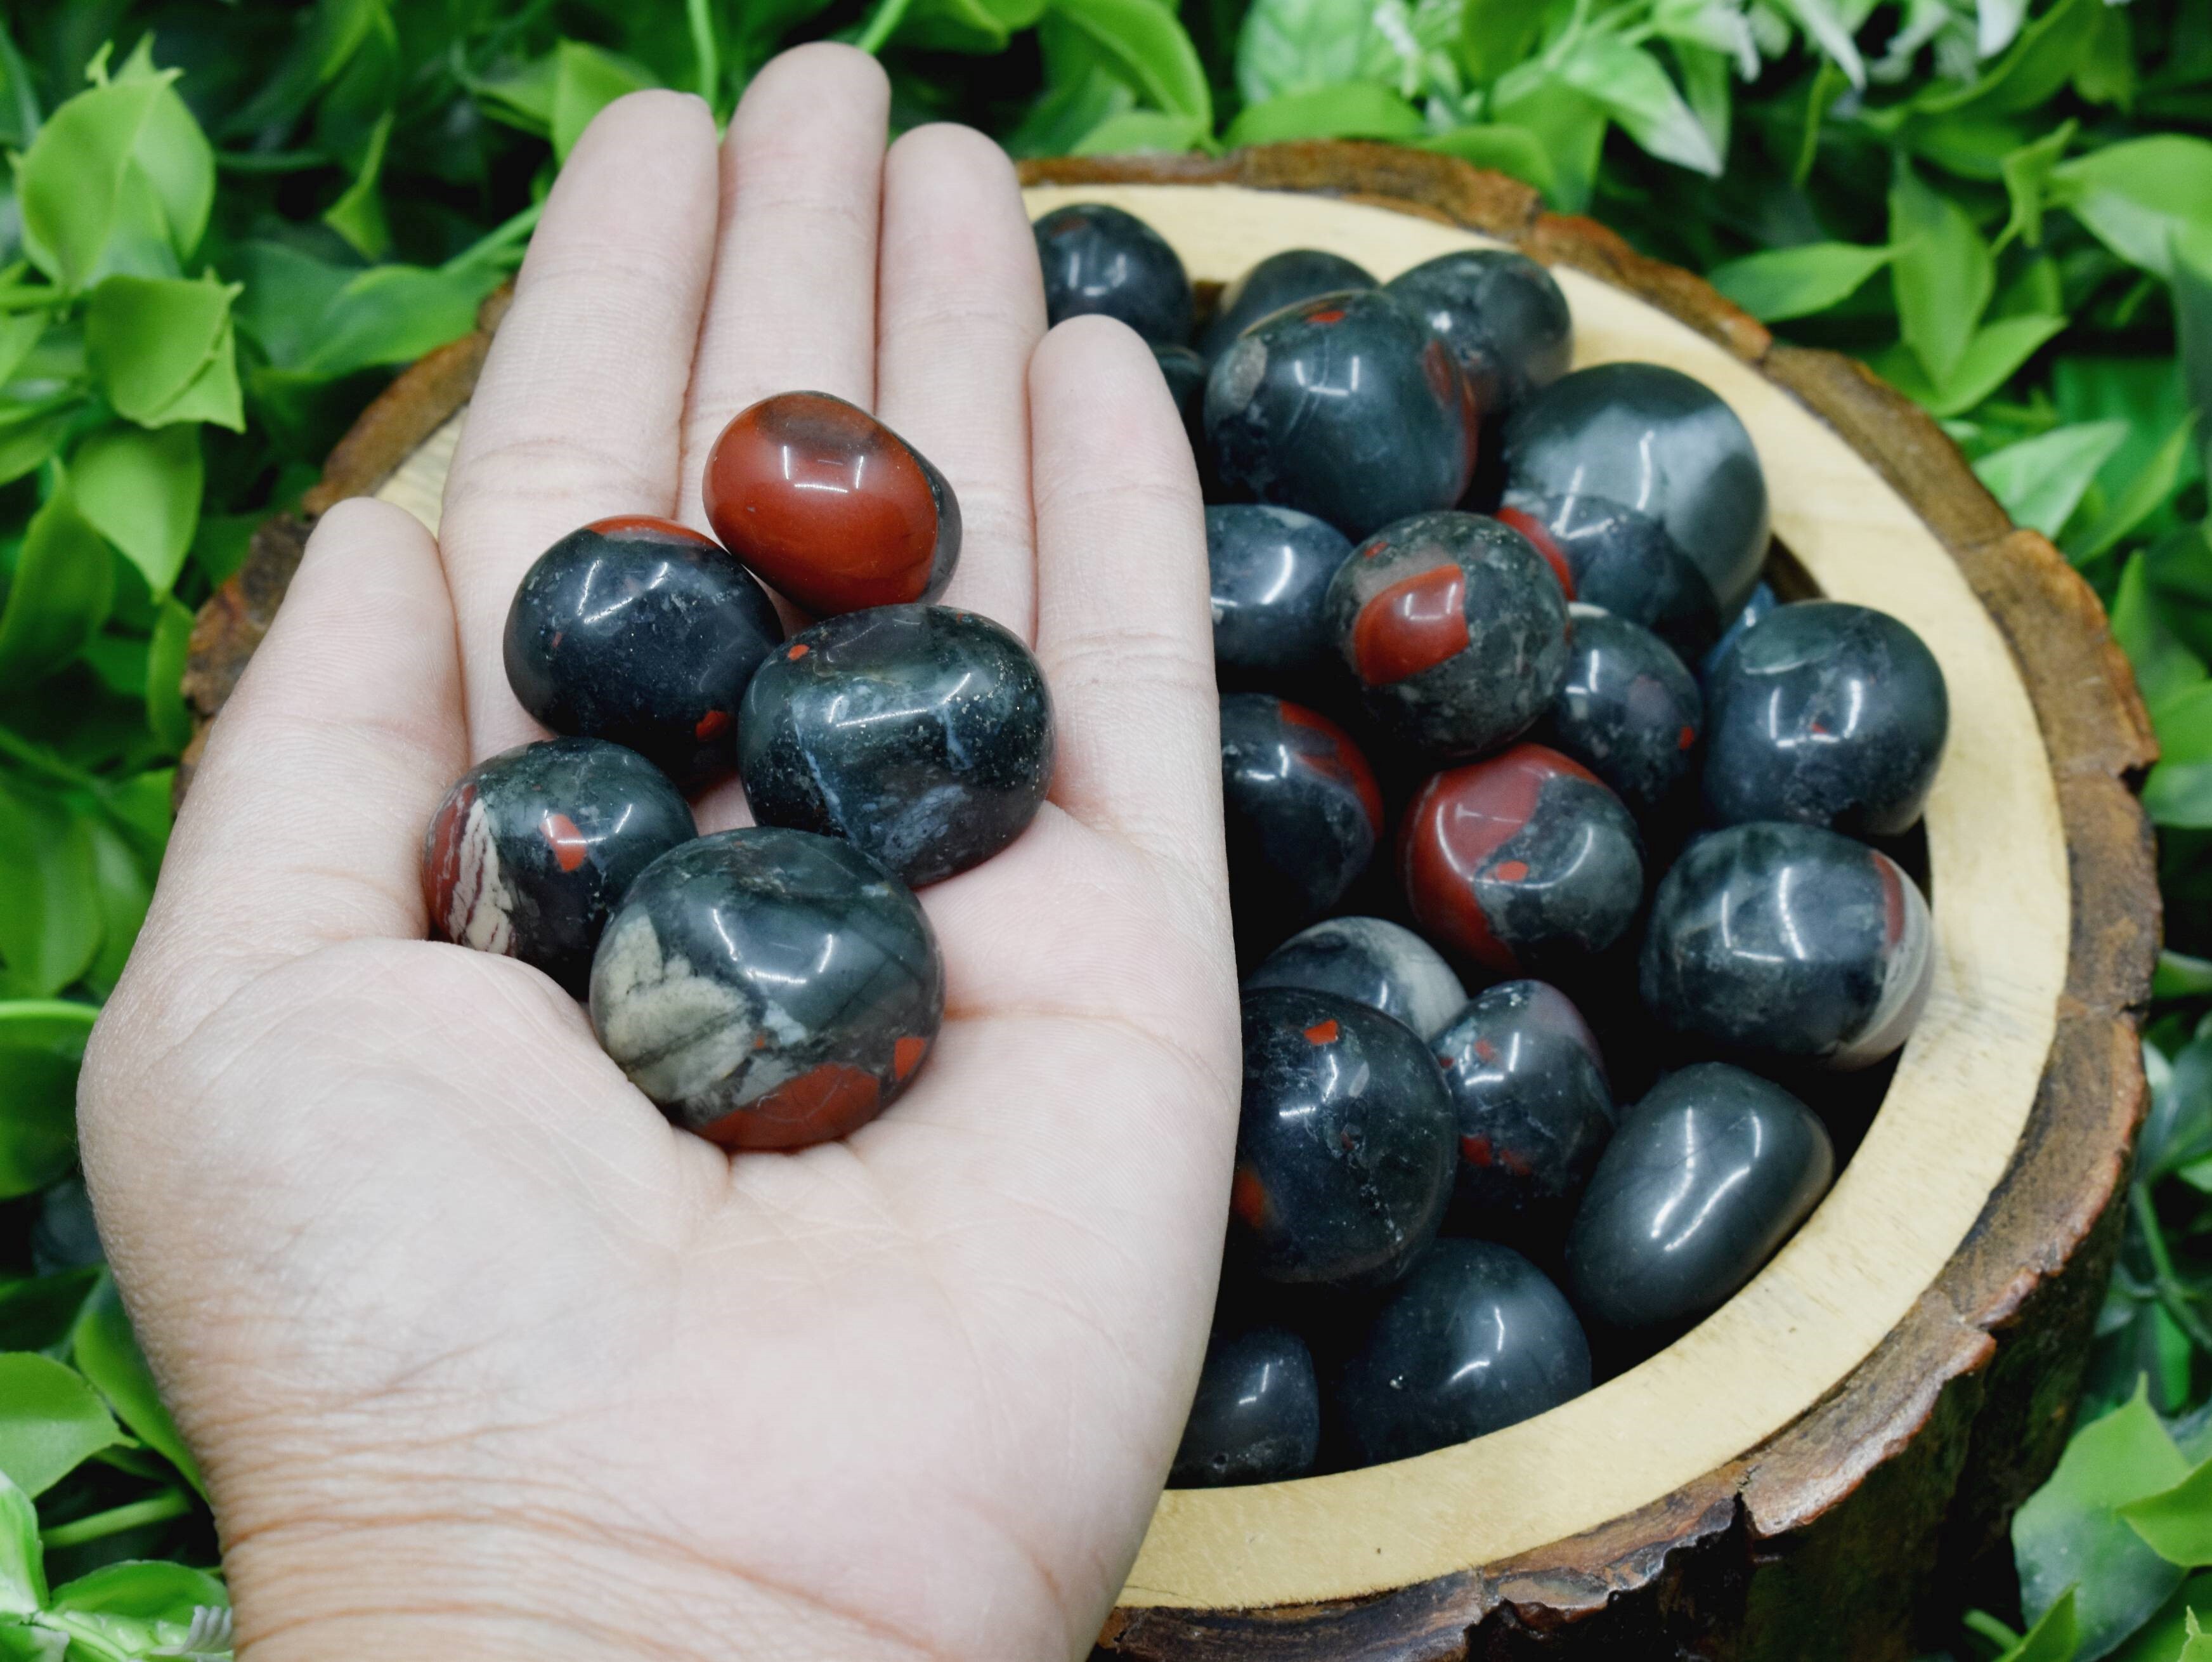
<point x="481" y="1357"/>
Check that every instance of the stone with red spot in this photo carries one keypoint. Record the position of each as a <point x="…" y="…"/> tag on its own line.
<point x="1524" y="862"/>
<point x="1629" y="710"/>
<point x="1774" y="942"/>
<point x="529" y="851"/>
<point x="1303" y="814"/>
<point x="1344" y="1147"/>
<point x="1343" y="407"/>
<point x="1373" y="961"/>
<point x="641" y="631"/>
<point x="1533" y="1110"/>
<point x="1501" y="316"/>
<point x="768" y="988"/>
<point x="1453" y="628"/>
<point x="830" y="506"/>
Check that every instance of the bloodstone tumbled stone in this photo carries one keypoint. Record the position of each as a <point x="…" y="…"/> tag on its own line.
<point x="1345" y="407"/>
<point x="1521" y="862"/>
<point x="920" y="733"/>
<point x="1270" y="569"/>
<point x="1453" y="629"/>
<point x="1278" y="281"/>
<point x="1614" y="557"/>
<point x="1789" y="941"/>
<point x="529" y="851"/>
<point x="1826" y="713"/>
<point x="1100" y="260"/>
<point x="1257" y="1418"/>
<point x="768" y="988"/>
<point x="829" y="506"/>
<point x="1706" y="1177"/>
<point x="1476" y="1338"/>
<point x="1370" y="961"/>
<point x="1627" y="710"/>
<point x="1343" y="1143"/>
<point x="1302" y="809"/>
<point x="1534" y="1111"/>
<point x="1501" y="314"/>
<point x="1763" y="600"/>
<point x="1633" y="446"/>
<point x="643" y="632"/>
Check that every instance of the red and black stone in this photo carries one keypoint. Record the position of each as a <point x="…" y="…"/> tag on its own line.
<point x="1629" y="710"/>
<point x="768" y="988"/>
<point x="830" y="506"/>
<point x="1454" y="628"/>
<point x="1535" y="1110"/>
<point x="1344" y="1142"/>
<point x="529" y="851"/>
<point x="1774" y="942"/>
<point x="1278" y="281"/>
<point x="1345" y="407"/>
<point x="1522" y="863"/>
<point x="1303" y="814"/>
<point x="641" y="631"/>
<point x="1501" y="314"/>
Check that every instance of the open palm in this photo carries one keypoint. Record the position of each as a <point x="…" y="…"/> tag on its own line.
<point x="482" y="1358"/>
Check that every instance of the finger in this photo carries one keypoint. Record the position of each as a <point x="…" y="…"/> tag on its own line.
<point x="960" y="310"/>
<point x="1124" y="626"/>
<point x="792" y="305"/>
<point x="305" y="823"/>
<point x="576" y="415"/>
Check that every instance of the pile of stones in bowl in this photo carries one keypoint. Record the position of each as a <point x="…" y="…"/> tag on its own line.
<point x="1508" y="710"/>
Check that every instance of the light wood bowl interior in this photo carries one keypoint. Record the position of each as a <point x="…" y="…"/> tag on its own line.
<point x="1946" y="1130"/>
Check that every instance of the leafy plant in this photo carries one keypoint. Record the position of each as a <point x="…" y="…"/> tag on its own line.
<point x="222" y="227"/>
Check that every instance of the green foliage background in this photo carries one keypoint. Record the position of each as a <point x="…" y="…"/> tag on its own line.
<point x="224" y="225"/>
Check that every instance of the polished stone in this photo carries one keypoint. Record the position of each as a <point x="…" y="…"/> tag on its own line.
<point x="1270" y="570"/>
<point x="1101" y="261"/>
<point x="920" y="733"/>
<point x="1706" y="1177"/>
<point x="1502" y="315"/>
<point x="768" y="988"/>
<point x="1257" y="1418"/>
<point x="1344" y="1142"/>
<point x="1372" y="961"/>
<point x="1278" y="281"/>
<point x="1302" y="809"/>
<point x="1627" y="710"/>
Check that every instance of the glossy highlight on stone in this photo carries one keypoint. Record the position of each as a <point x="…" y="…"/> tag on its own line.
<point x="1640" y="441"/>
<point x="1707" y="1175"/>
<point x="768" y="988"/>
<point x="1826" y="713"/>
<point x="1476" y="1338"/>
<point x="1344" y="1142"/>
<point x="1371" y="961"/>
<point x="1257" y="1418"/>
<point x="1454" y="628"/>
<point x="1302" y="809"/>
<point x="1270" y="569"/>
<point x="1278" y="281"/>
<point x="641" y="631"/>
<point x="921" y="734"/>
<point x="1521" y="862"/>
<point x="529" y="850"/>
<point x="1502" y="316"/>
<point x="830" y="506"/>
<point x="1789" y="941"/>
<point x="1534" y="1111"/>
<point x="1345" y="407"/>
<point x="1628" y="709"/>
<point x="1763" y="600"/>
<point x="1099" y="260"/>
<point x="1614" y="557"/>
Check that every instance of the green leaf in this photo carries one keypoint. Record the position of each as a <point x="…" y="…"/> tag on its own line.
<point x="64" y="584"/>
<point x="2056" y="1638"/>
<point x="2192" y="316"/>
<point x="1992" y="356"/>
<point x="1291" y="47"/>
<point x="1359" y="109"/>
<point x="34" y="1645"/>
<point x="147" y="1591"/>
<point x="41" y="1041"/>
<point x="358" y="214"/>
<point x="1629" y="84"/>
<point x="1825" y="25"/>
<point x="1795" y="283"/>
<point x="104" y="1347"/>
<point x="1141" y="42"/>
<point x="968" y="26"/>
<point x="1943" y="274"/>
<point x="162" y="350"/>
<point x="120" y="178"/>
<point x="2199" y="1647"/>
<point x="49" y="910"/>
<point x="2027" y="173"/>
<point x="1570" y="126"/>
<point x="2041" y="480"/>
<point x="51" y="1421"/>
<point x="166" y="715"/>
<point x="141" y="490"/>
<point x="2177" y="1522"/>
<point x="1495" y="35"/>
<point x="586" y="80"/>
<point x="122" y="887"/>
<point x="36" y="1312"/>
<point x="2164" y="664"/>
<point x="330" y="33"/>
<point x="2039" y="61"/>
<point x="323" y="321"/>
<point x="1502" y="147"/>
<point x="2070" y="1534"/>
<point x="2135" y="195"/>
<point x="18" y="335"/>
<point x="1130" y="132"/>
<point x="23" y="1561"/>
<point x="2161" y="1639"/>
<point x="2144" y="496"/>
<point x="29" y="440"/>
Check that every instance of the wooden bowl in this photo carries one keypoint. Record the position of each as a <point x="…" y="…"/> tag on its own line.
<point x="1805" y="1470"/>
